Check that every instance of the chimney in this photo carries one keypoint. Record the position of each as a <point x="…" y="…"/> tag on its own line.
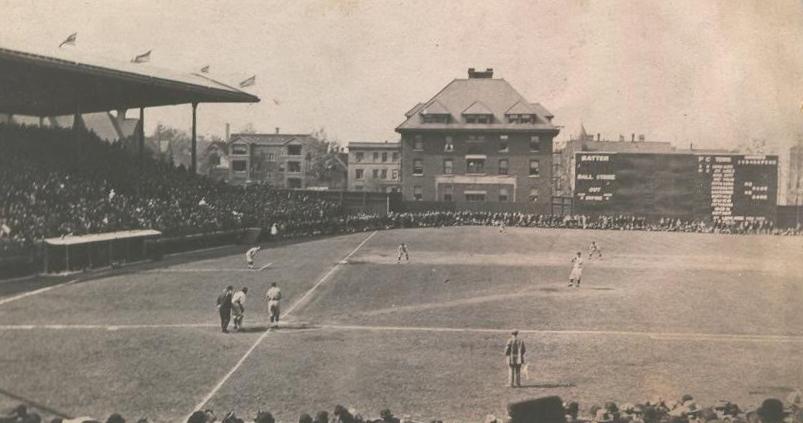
<point x="641" y="138"/>
<point x="633" y="137"/>
<point x="475" y="74"/>
<point x="598" y="136"/>
<point x="621" y="138"/>
<point x="277" y="129"/>
<point x="228" y="131"/>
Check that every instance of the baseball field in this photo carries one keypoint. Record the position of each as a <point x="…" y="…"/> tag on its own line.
<point x="661" y="314"/>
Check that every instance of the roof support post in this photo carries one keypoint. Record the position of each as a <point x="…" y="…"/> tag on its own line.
<point x="194" y="162"/>
<point x="141" y="144"/>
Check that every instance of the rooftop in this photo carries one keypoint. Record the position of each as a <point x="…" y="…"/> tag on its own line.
<point x="66" y="81"/>
<point x="478" y="95"/>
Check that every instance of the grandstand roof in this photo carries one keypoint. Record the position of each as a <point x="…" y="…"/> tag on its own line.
<point x="64" y="81"/>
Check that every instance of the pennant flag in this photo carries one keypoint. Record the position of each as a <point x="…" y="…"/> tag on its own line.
<point x="142" y="58"/>
<point x="70" y="41"/>
<point x="248" y="82"/>
<point x="276" y="102"/>
<point x="205" y="69"/>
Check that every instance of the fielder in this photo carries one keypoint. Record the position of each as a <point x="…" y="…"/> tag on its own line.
<point x="577" y="270"/>
<point x="594" y="249"/>
<point x="273" y="296"/>
<point x="402" y="252"/>
<point x="249" y="256"/>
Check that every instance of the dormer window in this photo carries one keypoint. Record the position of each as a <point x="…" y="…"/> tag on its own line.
<point x="521" y="118"/>
<point x="435" y="113"/>
<point x="478" y="113"/>
<point x="480" y="119"/>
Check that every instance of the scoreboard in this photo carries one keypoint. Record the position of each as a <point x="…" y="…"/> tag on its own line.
<point x="727" y="187"/>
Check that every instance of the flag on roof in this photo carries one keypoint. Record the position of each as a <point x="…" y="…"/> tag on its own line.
<point x="142" y="58"/>
<point x="70" y="41"/>
<point x="249" y="82"/>
<point x="205" y="69"/>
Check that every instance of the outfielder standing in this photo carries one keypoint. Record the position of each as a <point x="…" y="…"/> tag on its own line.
<point x="273" y="296"/>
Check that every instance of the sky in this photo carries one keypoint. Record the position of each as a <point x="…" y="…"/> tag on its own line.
<point x="712" y="73"/>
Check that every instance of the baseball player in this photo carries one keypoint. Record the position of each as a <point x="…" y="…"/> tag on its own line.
<point x="238" y="307"/>
<point x="577" y="270"/>
<point x="249" y="256"/>
<point x="402" y="253"/>
<point x="273" y="296"/>
<point x="593" y="249"/>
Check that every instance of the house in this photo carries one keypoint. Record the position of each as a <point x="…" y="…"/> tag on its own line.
<point x="478" y="140"/>
<point x="374" y="166"/>
<point x="280" y="160"/>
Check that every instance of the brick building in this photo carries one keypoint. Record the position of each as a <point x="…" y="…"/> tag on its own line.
<point x="478" y="140"/>
<point x="374" y="166"/>
<point x="281" y="160"/>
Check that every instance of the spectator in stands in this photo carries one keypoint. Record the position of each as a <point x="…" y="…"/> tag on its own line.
<point x="322" y="417"/>
<point x="342" y="415"/>
<point x="305" y="418"/>
<point x="771" y="411"/>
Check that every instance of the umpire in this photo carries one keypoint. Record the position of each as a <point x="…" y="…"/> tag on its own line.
<point x="514" y="354"/>
<point x="224" y="307"/>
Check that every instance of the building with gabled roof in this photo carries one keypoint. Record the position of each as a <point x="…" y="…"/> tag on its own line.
<point x="280" y="160"/>
<point x="478" y="140"/>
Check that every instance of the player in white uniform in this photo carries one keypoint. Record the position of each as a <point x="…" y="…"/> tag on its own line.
<point x="402" y="252"/>
<point x="238" y="307"/>
<point x="249" y="256"/>
<point x="593" y="249"/>
<point x="577" y="270"/>
<point x="273" y="296"/>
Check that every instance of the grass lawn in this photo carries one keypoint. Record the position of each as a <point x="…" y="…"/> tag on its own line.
<point x="664" y="314"/>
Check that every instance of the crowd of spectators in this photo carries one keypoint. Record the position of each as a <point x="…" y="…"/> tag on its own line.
<point x="683" y="410"/>
<point x="57" y="182"/>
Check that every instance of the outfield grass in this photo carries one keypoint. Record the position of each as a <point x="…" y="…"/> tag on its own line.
<point x="662" y="314"/>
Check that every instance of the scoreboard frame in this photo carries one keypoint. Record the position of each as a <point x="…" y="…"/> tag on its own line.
<point x="726" y="187"/>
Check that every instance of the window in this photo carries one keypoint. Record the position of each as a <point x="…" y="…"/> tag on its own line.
<point x="375" y="173"/>
<point x="293" y="150"/>
<point x="376" y="156"/>
<point x="395" y="157"/>
<point x="504" y="165"/>
<point x="475" y="196"/>
<point x="359" y="156"/>
<point x="534" y="168"/>
<point x="239" y="149"/>
<point x="395" y="174"/>
<point x="526" y="118"/>
<point x="238" y="165"/>
<point x="418" y="167"/>
<point x="384" y="156"/>
<point x="448" y="192"/>
<point x="418" y="144"/>
<point x="358" y="173"/>
<point x="270" y="157"/>
<point x="535" y="143"/>
<point x="478" y="118"/>
<point x="294" y="166"/>
<point x="384" y="174"/>
<point x="418" y="193"/>
<point x="448" y="166"/>
<point x="435" y="118"/>
<point x="475" y="165"/>
<point x="448" y="145"/>
<point x="533" y="198"/>
<point x="503" y="144"/>
<point x="293" y="182"/>
<point x="503" y="195"/>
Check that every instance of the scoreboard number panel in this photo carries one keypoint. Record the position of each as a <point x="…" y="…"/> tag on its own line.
<point x="720" y="186"/>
